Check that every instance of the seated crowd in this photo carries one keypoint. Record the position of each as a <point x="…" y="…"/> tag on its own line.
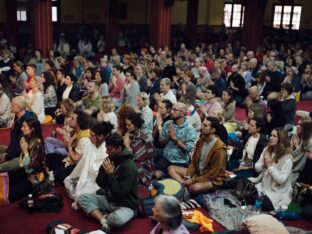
<point x="142" y="117"/>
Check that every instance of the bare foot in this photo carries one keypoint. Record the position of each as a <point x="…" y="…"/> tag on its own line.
<point x="158" y="174"/>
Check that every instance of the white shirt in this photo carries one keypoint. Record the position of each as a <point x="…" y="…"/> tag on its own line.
<point x="5" y="107"/>
<point x="170" y="96"/>
<point x="36" y="101"/>
<point x="66" y="92"/>
<point x="251" y="146"/>
<point x="112" y="118"/>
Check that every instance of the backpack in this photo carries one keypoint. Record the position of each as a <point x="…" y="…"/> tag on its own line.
<point x="44" y="202"/>
<point x="245" y="190"/>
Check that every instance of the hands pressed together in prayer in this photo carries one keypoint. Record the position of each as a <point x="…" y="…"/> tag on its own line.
<point x="108" y="166"/>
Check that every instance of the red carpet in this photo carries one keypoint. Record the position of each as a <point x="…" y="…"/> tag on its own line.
<point x="15" y="220"/>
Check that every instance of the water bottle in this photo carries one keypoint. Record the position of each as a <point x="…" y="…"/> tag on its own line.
<point x="258" y="203"/>
<point x="30" y="204"/>
<point x="51" y="180"/>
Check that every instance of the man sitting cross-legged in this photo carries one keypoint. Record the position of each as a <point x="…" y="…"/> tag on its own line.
<point x="177" y="138"/>
<point x="207" y="169"/>
<point x="9" y="160"/>
<point x="118" y="178"/>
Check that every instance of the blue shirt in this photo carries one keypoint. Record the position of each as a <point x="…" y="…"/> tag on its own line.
<point x="185" y="133"/>
<point x="220" y="85"/>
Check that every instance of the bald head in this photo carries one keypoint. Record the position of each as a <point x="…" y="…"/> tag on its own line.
<point x="180" y="106"/>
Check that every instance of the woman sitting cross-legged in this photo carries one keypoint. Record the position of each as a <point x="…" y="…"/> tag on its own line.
<point x="142" y="145"/>
<point x="53" y="145"/>
<point x="83" y="177"/>
<point x="77" y="147"/>
<point x="275" y="166"/>
<point x="32" y="160"/>
<point x="253" y="146"/>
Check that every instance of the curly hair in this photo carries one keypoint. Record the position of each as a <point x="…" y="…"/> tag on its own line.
<point x="122" y="114"/>
<point x="102" y="128"/>
<point x="107" y="105"/>
<point x="136" y="119"/>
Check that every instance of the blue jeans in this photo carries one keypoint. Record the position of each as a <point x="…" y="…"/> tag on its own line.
<point x="117" y="215"/>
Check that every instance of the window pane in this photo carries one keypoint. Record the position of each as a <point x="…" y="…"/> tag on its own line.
<point x="227" y="14"/>
<point x="23" y="16"/>
<point x="54" y="14"/>
<point x="237" y="13"/>
<point x="296" y="17"/>
<point x="277" y="16"/>
<point x="286" y="17"/>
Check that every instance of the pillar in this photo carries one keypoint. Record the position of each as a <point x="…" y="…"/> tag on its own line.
<point x="11" y="21"/>
<point x="253" y="23"/>
<point x="111" y="35"/>
<point x="160" y="23"/>
<point x="191" y="22"/>
<point x="41" y="20"/>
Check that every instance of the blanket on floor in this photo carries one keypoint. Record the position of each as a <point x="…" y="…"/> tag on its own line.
<point x="226" y="209"/>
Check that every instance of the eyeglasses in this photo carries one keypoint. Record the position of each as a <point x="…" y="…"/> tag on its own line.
<point x="174" y="109"/>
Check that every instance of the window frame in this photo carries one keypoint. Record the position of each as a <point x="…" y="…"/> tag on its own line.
<point x="290" y="27"/>
<point x="27" y="16"/>
<point x="56" y="3"/>
<point x="242" y="14"/>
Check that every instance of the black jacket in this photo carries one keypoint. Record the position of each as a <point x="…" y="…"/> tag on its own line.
<point x="14" y="148"/>
<point x="120" y="187"/>
<point x="74" y="93"/>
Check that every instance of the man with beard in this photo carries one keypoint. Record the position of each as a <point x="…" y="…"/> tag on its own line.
<point x="207" y="168"/>
<point x="178" y="138"/>
<point x="237" y="84"/>
<point x="90" y="102"/>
